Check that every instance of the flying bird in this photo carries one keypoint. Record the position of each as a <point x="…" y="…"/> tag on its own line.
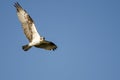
<point x="31" y="32"/>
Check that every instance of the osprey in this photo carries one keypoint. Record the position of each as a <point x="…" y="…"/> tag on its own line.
<point x="31" y="32"/>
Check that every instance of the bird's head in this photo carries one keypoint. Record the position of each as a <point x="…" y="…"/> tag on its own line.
<point x="42" y="38"/>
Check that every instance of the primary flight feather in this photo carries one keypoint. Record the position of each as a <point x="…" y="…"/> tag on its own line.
<point x="31" y="32"/>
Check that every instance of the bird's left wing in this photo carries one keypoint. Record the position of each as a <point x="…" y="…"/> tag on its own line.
<point x="27" y="23"/>
<point x="47" y="45"/>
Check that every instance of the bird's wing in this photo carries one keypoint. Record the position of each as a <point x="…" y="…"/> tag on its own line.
<point x="27" y="23"/>
<point x="47" y="45"/>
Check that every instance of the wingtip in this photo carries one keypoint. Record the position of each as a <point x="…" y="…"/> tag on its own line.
<point x="55" y="48"/>
<point x="17" y="6"/>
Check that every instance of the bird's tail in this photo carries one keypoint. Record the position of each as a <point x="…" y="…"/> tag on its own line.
<point x="26" y="47"/>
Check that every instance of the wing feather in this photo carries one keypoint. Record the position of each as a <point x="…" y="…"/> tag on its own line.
<point x="48" y="45"/>
<point x="27" y="23"/>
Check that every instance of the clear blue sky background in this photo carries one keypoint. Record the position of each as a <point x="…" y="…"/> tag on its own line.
<point x="87" y="33"/>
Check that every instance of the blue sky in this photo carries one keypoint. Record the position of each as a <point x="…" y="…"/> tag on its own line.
<point x="87" y="33"/>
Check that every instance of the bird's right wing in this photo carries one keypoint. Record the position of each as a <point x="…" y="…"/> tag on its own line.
<point x="27" y="23"/>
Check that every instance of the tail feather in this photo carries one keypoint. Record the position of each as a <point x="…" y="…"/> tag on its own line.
<point x="26" y="47"/>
